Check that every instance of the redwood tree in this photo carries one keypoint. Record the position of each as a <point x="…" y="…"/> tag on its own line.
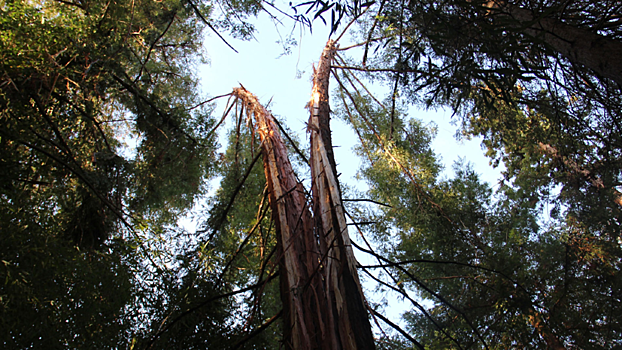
<point x="323" y="303"/>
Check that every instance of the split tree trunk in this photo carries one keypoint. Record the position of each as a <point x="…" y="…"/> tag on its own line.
<point x="348" y="312"/>
<point x="323" y="303"/>
<point x="297" y="247"/>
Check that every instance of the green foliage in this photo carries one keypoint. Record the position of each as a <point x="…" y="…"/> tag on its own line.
<point x="493" y="267"/>
<point x="67" y="93"/>
<point x="56" y="296"/>
<point x="235" y="249"/>
<point x="550" y="119"/>
<point x="102" y="146"/>
<point x="554" y="158"/>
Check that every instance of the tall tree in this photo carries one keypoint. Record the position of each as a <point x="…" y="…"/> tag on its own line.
<point x="497" y="275"/>
<point x="323" y="302"/>
<point x="522" y="68"/>
<point x="549" y="110"/>
<point x="82" y="212"/>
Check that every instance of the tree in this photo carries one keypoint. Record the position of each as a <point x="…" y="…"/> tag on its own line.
<point x="80" y="214"/>
<point x="78" y="75"/>
<point x="93" y="257"/>
<point x="322" y="298"/>
<point x="545" y="109"/>
<point x="498" y="66"/>
<point x="497" y="274"/>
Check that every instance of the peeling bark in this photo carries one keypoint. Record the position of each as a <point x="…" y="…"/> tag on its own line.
<point x="323" y="304"/>
<point x="301" y="287"/>
<point x="348" y="313"/>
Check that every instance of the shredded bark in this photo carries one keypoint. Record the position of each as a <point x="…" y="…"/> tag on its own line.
<point x="323" y="303"/>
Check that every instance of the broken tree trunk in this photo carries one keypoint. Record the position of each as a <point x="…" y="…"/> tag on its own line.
<point x="348" y="313"/>
<point x="323" y="303"/>
<point x="297" y="247"/>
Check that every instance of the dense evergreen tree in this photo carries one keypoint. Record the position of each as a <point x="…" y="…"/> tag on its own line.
<point x="537" y="264"/>
<point x="103" y="142"/>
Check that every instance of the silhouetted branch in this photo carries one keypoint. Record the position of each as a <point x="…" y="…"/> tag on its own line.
<point x="399" y="329"/>
<point x="196" y="10"/>
<point x="223" y="215"/>
<point x="258" y="330"/>
<point x="366" y="200"/>
<point x="203" y="304"/>
<point x="427" y="289"/>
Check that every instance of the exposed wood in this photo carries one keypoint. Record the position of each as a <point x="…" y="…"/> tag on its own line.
<point x="348" y="313"/>
<point x="323" y="303"/>
<point x="301" y="287"/>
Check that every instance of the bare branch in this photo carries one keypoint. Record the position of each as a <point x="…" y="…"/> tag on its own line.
<point x="399" y="329"/>
<point x="366" y="200"/>
<point x="196" y="10"/>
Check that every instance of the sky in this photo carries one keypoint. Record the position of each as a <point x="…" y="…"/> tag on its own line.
<point x="285" y="82"/>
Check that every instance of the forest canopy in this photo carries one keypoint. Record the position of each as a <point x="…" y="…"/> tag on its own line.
<point x="106" y="141"/>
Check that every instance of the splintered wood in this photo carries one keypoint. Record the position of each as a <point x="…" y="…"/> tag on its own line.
<point x="297" y="246"/>
<point x="323" y="304"/>
<point x="349" y="312"/>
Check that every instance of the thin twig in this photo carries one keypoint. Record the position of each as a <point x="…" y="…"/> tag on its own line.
<point x="258" y="330"/>
<point x="349" y="24"/>
<point x="260" y="216"/>
<point x="345" y="48"/>
<point x="196" y="10"/>
<point x="415" y="261"/>
<point x="132" y="89"/>
<point x="300" y="153"/>
<point x="371" y="31"/>
<point x="415" y="303"/>
<point x="206" y="101"/>
<point x="347" y="75"/>
<point x="366" y="200"/>
<point x="142" y="66"/>
<point x="399" y="329"/>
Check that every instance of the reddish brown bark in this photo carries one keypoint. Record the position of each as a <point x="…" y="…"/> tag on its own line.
<point x="301" y="287"/>
<point x="348" y="313"/>
<point x="323" y="304"/>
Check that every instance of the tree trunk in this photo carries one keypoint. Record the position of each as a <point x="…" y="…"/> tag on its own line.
<point x="301" y="286"/>
<point x="578" y="45"/>
<point x="323" y="303"/>
<point x="348" y="312"/>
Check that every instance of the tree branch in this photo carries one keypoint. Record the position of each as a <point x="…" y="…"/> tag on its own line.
<point x="196" y="10"/>
<point x="427" y="289"/>
<point x="258" y="330"/>
<point x="399" y="329"/>
<point x="203" y="304"/>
